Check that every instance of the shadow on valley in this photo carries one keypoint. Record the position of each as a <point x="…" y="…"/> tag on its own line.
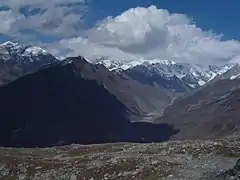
<point x="148" y="132"/>
<point x="57" y="106"/>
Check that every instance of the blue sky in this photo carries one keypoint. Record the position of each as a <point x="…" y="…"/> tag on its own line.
<point x="190" y="31"/>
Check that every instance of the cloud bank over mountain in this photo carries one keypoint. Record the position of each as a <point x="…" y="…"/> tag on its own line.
<point x="141" y="32"/>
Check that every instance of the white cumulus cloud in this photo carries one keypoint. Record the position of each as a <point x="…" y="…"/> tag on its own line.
<point x="152" y="33"/>
<point x="7" y="20"/>
<point x="52" y="17"/>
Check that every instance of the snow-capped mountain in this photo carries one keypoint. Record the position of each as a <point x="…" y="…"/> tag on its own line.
<point x="111" y="65"/>
<point x="191" y="74"/>
<point x="21" y="53"/>
<point x="167" y="73"/>
<point x="17" y="60"/>
<point x="114" y="65"/>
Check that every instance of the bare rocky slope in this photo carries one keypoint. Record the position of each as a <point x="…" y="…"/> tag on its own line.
<point x="210" y="112"/>
<point x="172" y="160"/>
<point x="138" y="97"/>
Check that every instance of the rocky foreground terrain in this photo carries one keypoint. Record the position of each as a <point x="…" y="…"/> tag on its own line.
<point x="195" y="159"/>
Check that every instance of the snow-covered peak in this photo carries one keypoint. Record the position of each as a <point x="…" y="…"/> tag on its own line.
<point x="8" y="44"/>
<point x="163" y="62"/>
<point x="124" y="65"/>
<point x="20" y="53"/>
<point x="12" y="48"/>
<point x="22" y="49"/>
<point x="34" y="51"/>
<point x="131" y="64"/>
<point x="111" y="65"/>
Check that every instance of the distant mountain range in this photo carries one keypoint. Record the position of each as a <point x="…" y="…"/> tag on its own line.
<point x="78" y="101"/>
<point x="191" y="75"/>
<point x="166" y="73"/>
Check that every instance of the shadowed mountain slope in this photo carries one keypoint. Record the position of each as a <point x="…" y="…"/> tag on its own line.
<point x="59" y="105"/>
<point x="137" y="97"/>
<point x="56" y="105"/>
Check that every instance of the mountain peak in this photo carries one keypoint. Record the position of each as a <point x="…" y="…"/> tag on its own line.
<point x="125" y="65"/>
<point x="21" y="49"/>
<point x="34" y="50"/>
<point x="21" y="53"/>
<point x="159" y="61"/>
<point x="8" y="44"/>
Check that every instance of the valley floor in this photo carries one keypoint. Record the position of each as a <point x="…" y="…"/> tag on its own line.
<point x="154" y="115"/>
<point x="170" y="160"/>
<point x="150" y="117"/>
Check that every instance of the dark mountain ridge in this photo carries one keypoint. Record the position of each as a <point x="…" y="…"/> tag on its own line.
<point x="59" y="105"/>
<point x="50" y="106"/>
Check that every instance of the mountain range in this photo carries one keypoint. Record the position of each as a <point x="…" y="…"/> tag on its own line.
<point x="30" y="58"/>
<point x="192" y="75"/>
<point x="64" y="103"/>
<point x="80" y="101"/>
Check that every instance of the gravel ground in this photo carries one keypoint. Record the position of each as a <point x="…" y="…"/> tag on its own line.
<point x="172" y="160"/>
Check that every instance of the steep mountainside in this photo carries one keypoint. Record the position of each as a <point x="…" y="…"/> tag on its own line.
<point x="139" y="98"/>
<point x="212" y="111"/>
<point x="58" y="106"/>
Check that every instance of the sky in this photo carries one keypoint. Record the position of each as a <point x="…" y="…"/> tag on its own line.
<point x="199" y="31"/>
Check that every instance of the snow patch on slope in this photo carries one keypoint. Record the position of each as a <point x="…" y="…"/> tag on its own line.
<point x="34" y="51"/>
<point x="235" y="76"/>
